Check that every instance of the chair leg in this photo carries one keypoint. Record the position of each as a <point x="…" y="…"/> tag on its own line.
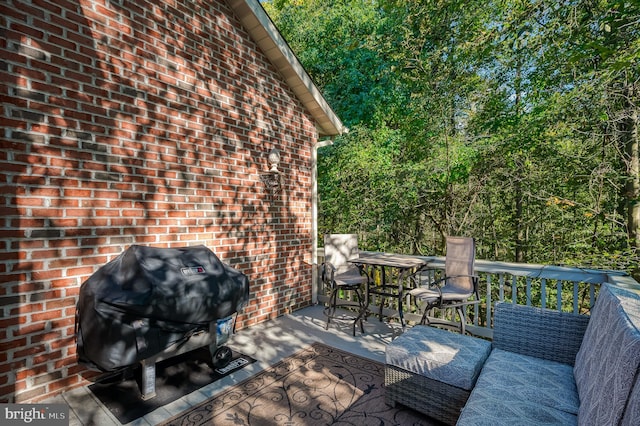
<point x="463" y="320"/>
<point x="425" y="315"/>
<point x="363" y="309"/>
<point x="361" y="302"/>
<point x="331" y="309"/>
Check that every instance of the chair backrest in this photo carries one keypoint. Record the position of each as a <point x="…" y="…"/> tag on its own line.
<point x="459" y="260"/>
<point x="339" y="248"/>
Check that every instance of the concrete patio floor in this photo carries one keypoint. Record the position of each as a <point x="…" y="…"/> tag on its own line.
<point x="268" y="343"/>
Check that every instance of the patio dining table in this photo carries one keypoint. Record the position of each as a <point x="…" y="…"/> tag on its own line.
<point x="405" y="265"/>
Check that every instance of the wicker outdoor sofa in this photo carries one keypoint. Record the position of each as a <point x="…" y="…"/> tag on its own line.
<point x="543" y="367"/>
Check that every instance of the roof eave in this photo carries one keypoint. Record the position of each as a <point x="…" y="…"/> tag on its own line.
<point x="273" y="45"/>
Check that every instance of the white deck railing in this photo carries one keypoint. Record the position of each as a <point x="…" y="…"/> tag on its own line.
<point x="554" y="287"/>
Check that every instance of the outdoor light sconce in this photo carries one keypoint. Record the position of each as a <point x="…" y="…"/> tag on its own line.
<point x="273" y="179"/>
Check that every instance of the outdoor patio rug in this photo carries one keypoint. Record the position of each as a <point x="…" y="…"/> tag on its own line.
<point x="175" y="378"/>
<point x="319" y="385"/>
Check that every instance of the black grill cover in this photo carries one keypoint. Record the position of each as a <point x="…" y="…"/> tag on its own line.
<point x="148" y="298"/>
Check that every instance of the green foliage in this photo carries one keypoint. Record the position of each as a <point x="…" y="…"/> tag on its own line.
<point x="512" y="121"/>
<point x="336" y="42"/>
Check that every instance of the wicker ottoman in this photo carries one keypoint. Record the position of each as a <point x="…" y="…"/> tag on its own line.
<point x="433" y="370"/>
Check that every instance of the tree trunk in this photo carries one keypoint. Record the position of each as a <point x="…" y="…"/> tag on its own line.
<point x="519" y="229"/>
<point x="629" y="139"/>
<point x="519" y="196"/>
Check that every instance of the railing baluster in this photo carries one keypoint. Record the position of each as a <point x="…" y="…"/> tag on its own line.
<point x="501" y="281"/>
<point x="559" y="294"/>
<point x="514" y="289"/>
<point x="576" y="297"/>
<point x="489" y="303"/>
<point x="543" y="292"/>
<point x="528" y="291"/>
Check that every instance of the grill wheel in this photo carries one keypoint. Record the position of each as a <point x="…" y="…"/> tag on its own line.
<point x="222" y="357"/>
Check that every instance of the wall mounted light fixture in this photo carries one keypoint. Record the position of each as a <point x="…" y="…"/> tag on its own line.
<point x="273" y="179"/>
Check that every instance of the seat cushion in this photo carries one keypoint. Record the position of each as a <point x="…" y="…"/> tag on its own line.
<point x="524" y="390"/>
<point x="521" y="377"/>
<point x="608" y="362"/>
<point x="484" y="408"/>
<point x="426" y="294"/>
<point x="439" y="355"/>
<point x="349" y="277"/>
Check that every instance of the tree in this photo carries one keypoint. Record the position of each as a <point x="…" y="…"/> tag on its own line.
<point x="515" y="121"/>
<point x="610" y="36"/>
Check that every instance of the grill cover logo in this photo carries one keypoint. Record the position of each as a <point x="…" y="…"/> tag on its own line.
<point x="193" y="270"/>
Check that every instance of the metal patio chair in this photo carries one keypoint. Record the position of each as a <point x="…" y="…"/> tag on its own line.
<point x="457" y="289"/>
<point x="341" y="277"/>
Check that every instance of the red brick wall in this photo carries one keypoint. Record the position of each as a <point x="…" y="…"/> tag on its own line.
<point x="137" y="122"/>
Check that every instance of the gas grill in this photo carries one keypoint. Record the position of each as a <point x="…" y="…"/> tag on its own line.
<point x="150" y="304"/>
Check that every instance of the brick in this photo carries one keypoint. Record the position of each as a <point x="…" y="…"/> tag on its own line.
<point x="25" y="309"/>
<point x="60" y="303"/>
<point x="29" y="351"/>
<point x="28" y="395"/>
<point x="65" y="321"/>
<point x="44" y="316"/>
<point x="43" y="274"/>
<point x="64" y="383"/>
<point x="47" y="378"/>
<point x="43" y="359"/>
<point x="12" y="300"/>
<point x="13" y="321"/>
<point x="13" y="344"/>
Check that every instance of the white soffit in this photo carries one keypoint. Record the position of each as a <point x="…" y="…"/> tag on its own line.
<point x="273" y="45"/>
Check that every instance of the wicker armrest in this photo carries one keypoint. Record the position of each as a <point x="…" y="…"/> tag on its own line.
<point x="542" y="333"/>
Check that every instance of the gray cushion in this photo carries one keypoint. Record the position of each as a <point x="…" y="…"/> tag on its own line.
<point x="515" y="389"/>
<point x="515" y="377"/>
<point x="632" y="412"/>
<point x="608" y="361"/>
<point x="439" y="355"/>
<point x="488" y="408"/>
